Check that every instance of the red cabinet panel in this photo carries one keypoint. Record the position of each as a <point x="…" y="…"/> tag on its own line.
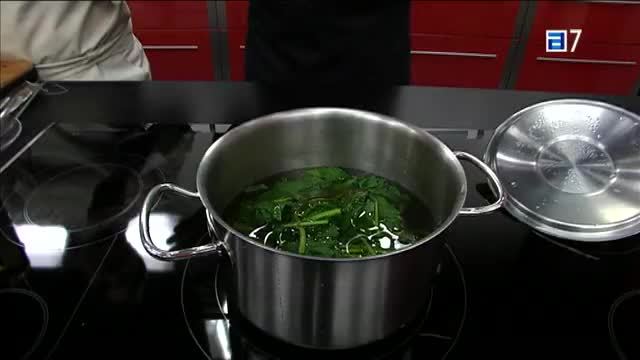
<point x="169" y="14"/>
<point x="236" y="53"/>
<point x="474" y="18"/>
<point x="237" y="14"/>
<point x="178" y="54"/>
<point x="593" y="68"/>
<point x="457" y="61"/>
<point x="601" y="22"/>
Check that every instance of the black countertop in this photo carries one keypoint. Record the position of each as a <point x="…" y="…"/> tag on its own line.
<point x="127" y="103"/>
<point x="75" y="281"/>
<point x="134" y="104"/>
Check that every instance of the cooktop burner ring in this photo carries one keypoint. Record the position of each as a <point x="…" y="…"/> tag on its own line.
<point x="88" y="222"/>
<point x="450" y="336"/>
<point x="44" y="309"/>
<point x="595" y="251"/>
<point x="465" y="303"/>
<point x="184" y="312"/>
<point x="130" y="203"/>
<point x="610" y="321"/>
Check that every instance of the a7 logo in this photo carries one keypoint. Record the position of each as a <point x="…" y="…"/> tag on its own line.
<point x="556" y="40"/>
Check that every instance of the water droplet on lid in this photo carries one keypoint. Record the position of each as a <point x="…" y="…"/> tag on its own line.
<point x="514" y="184"/>
<point x="598" y="136"/>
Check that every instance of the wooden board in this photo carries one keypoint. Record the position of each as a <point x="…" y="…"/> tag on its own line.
<point x="12" y="70"/>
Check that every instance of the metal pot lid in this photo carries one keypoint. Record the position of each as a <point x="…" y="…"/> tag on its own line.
<point x="571" y="169"/>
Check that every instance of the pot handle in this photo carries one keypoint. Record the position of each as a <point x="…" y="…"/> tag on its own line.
<point x="494" y="179"/>
<point x="145" y="233"/>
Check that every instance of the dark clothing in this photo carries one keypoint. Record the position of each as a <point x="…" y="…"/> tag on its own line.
<point x="328" y="42"/>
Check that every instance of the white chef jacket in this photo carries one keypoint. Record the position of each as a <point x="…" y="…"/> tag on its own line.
<point x="73" y="40"/>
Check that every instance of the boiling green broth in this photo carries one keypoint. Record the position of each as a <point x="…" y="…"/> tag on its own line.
<point x="330" y="212"/>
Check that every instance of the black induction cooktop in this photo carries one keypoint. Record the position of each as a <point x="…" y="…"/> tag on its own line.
<point x="77" y="283"/>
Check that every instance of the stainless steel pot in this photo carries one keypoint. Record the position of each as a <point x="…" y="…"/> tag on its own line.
<point x="325" y="302"/>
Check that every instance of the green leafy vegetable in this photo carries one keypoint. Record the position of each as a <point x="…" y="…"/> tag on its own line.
<point x="303" y="240"/>
<point x="302" y="224"/>
<point x="325" y="212"/>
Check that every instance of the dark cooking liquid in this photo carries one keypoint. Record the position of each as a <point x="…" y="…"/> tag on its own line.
<point x="330" y="212"/>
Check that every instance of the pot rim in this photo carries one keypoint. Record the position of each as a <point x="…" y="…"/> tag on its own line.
<point x="295" y="115"/>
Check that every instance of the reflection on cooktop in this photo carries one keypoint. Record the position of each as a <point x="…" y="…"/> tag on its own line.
<point x="69" y="234"/>
<point x="76" y="204"/>
<point x="46" y="204"/>
<point x="10" y="134"/>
